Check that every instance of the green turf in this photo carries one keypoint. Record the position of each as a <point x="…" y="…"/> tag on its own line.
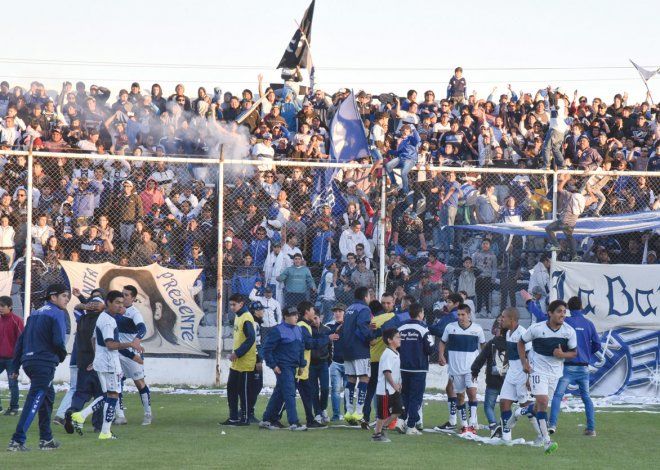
<point x="185" y="434"/>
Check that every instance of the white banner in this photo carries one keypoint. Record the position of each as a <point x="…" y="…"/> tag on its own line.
<point x="613" y="295"/>
<point x="164" y="299"/>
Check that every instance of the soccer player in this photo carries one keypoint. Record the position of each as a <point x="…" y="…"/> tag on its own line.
<point x="462" y="341"/>
<point x="284" y="352"/>
<point x="383" y="320"/>
<point x="39" y="350"/>
<point x="552" y="341"/>
<point x="356" y="335"/>
<point x="243" y="361"/>
<point x="106" y="362"/>
<point x="416" y="346"/>
<point x="388" y="390"/>
<point x="87" y="380"/>
<point x="514" y="387"/>
<point x="437" y="329"/>
<point x="576" y="371"/>
<point x="131" y="325"/>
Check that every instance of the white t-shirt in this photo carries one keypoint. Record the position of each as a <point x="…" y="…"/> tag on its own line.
<point x="391" y="362"/>
<point x="515" y="365"/>
<point x="106" y="360"/>
<point x="462" y="346"/>
<point x="544" y="341"/>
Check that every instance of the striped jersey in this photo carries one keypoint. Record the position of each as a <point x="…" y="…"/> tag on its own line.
<point x="106" y="360"/>
<point x="512" y="338"/>
<point x="462" y="346"/>
<point x="544" y="341"/>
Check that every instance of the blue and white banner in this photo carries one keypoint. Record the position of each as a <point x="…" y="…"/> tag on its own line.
<point x="586" y="227"/>
<point x="613" y="295"/>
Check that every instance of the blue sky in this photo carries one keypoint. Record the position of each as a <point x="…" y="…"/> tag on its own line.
<point x="381" y="46"/>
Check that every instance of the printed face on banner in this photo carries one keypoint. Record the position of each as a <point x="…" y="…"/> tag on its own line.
<point x="164" y="299"/>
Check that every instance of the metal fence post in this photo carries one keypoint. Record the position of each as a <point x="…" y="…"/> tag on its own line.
<point x="381" y="235"/>
<point x="555" y="175"/>
<point x="28" y="239"/>
<point x="220" y="280"/>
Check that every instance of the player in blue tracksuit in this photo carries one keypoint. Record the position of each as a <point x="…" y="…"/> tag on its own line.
<point x="39" y="350"/>
<point x="576" y="370"/>
<point x="437" y="330"/>
<point x="284" y="351"/>
<point x="416" y="346"/>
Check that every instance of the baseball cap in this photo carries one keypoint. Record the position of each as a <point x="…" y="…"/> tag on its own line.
<point x="330" y="262"/>
<point x="338" y="306"/>
<point x="55" y="289"/>
<point x="256" y="306"/>
<point x="228" y="239"/>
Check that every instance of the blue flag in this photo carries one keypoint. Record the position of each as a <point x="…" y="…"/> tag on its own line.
<point x="348" y="142"/>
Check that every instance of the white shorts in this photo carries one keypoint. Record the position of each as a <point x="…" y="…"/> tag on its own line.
<point x="131" y="369"/>
<point x="515" y="389"/>
<point x="110" y="381"/>
<point x="358" y="367"/>
<point x="462" y="382"/>
<point x="542" y="384"/>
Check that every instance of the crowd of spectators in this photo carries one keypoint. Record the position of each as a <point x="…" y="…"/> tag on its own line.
<point x="278" y="243"/>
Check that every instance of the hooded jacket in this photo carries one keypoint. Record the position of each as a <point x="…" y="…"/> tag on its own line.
<point x="149" y="198"/>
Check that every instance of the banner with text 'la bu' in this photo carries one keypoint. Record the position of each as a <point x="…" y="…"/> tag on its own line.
<point x="613" y="295"/>
<point x="164" y="299"/>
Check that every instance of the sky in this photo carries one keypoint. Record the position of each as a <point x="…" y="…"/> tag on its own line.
<point x="380" y="46"/>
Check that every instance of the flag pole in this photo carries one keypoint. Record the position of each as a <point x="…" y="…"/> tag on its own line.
<point x="303" y="36"/>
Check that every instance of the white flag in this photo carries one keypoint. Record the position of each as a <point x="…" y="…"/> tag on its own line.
<point x="644" y="73"/>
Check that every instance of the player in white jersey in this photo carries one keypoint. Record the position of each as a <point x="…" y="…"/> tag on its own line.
<point x="106" y="362"/>
<point x="514" y="388"/>
<point x="552" y="341"/>
<point x="131" y="325"/>
<point x="463" y="340"/>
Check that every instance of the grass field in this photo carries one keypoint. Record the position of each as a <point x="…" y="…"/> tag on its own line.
<point x="185" y="434"/>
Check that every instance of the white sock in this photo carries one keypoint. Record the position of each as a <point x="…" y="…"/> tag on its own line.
<point x="474" y="419"/>
<point x="145" y="396"/>
<point x="535" y="425"/>
<point x="92" y="407"/>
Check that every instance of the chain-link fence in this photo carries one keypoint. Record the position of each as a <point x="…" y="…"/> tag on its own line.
<point x="293" y="230"/>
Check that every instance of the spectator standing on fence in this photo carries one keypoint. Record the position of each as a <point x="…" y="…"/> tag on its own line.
<point x="571" y="204"/>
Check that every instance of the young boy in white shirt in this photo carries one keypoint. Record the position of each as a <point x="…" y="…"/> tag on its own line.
<point x="388" y="389"/>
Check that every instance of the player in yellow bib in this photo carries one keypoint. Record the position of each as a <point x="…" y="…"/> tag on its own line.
<point x="243" y="360"/>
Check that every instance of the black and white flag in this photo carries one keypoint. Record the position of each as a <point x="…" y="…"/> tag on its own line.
<point x="297" y="52"/>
